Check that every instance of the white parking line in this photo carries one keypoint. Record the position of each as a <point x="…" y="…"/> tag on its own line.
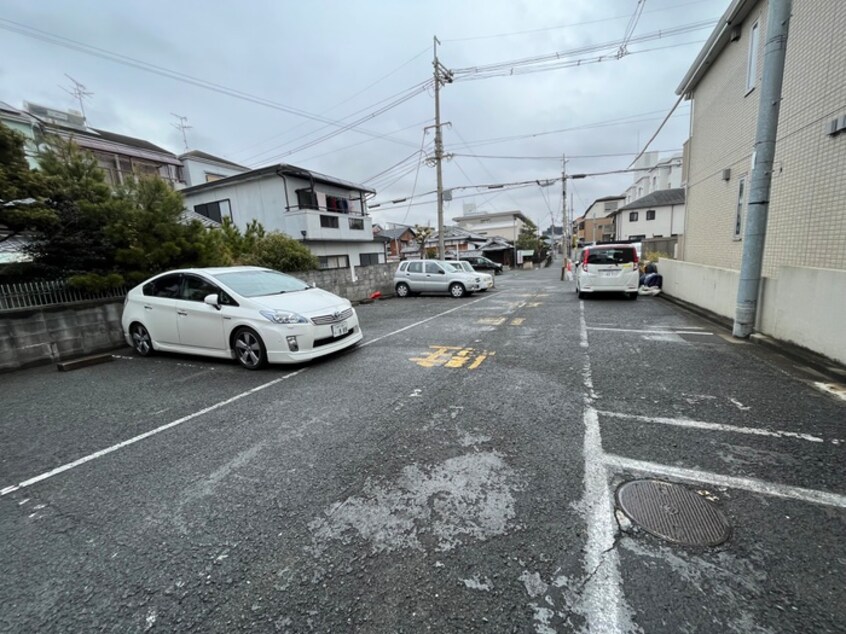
<point x="746" y="484"/>
<point x="604" y="605"/>
<point x="654" y="331"/>
<point x="103" y="452"/>
<point x="698" y="424"/>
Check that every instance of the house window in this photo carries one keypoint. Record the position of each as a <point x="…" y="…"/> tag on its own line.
<point x="210" y="177"/>
<point x="368" y="259"/>
<point x="217" y="210"/>
<point x="611" y="206"/>
<point x="632" y="216"/>
<point x="738" y="212"/>
<point x="306" y="199"/>
<point x="337" y="204"/>
<point x="752" y="62"/>
<point x="329" y="222"/>
<point x="650" y="214"/>
<point x="356" y="224"/>
<point x="334" y="261"/>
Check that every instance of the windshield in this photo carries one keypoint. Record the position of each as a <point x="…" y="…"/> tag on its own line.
<point x="261" y="282"/>
<point x="455" y="266"/>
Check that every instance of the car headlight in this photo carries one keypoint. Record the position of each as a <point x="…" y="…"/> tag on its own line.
<point x="283" y="317"/>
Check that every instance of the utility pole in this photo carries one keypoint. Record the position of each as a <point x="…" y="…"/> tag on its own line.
<point x="442" y="76"/>
<point x="751" y="264"/>
<point x="182" y="126"/>
<point x="568" y="226"/>
<point x="79" y="92"/>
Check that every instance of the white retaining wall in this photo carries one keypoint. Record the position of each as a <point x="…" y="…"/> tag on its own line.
<point x="802" y="305"/>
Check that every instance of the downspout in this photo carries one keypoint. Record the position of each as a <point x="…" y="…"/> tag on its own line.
<point x="285" y="185"/>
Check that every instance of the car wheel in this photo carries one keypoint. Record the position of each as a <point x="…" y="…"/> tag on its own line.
<point x="403" y="290"/>
<point x="141" y="340"/>
<point x="249" y="349"/>
<point x="497" y="271"/>
<point x="456" y="290"/>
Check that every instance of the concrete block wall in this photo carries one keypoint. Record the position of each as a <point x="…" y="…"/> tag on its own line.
<point x="36" y="336"/>
<point x="368" y="279"/>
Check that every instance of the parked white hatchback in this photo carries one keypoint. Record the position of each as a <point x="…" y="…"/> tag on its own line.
<point x="607" y="268"/>
<point x="487" y="280"/>
<point x="252" y="314"/>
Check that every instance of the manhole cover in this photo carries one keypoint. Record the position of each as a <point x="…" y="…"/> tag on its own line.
<point x="673" y="512"/>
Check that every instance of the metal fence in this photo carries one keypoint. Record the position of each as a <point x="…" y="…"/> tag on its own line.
<point x="50" y="293"/>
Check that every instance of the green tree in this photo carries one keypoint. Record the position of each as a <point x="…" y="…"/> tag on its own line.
<point x="151" y="236"/>
<point x="422" y="234"/>
<point x="277" y="251"/>
<point x="528" y="238"/>
<point x="77" y="240"/>
<point x="21" y="189"/>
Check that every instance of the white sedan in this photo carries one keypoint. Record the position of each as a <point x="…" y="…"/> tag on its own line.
<point x="461" y="265"/>
<point x="252" y="314"/>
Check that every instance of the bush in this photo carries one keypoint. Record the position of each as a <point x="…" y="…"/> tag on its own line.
<point x="277" y="251"/>
<point x="94" y="283"/>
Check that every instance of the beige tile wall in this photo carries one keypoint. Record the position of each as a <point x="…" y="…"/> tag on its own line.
<point x="807" y="219"/>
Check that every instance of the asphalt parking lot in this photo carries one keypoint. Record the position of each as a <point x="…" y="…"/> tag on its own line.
<point x="456" y="472"/>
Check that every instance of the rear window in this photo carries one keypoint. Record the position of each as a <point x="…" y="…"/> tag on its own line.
<point x="616" y="255"/>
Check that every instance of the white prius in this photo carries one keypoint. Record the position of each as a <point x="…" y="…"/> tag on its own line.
<point x="251" y="314"/>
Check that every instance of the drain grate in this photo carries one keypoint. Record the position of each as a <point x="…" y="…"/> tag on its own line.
<point x="673" y="512"/>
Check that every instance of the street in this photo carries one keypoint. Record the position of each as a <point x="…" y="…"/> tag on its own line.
<point x="456" y="472"/>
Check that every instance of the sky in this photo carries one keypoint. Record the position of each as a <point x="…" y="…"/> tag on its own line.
<point x="341" y="87"/>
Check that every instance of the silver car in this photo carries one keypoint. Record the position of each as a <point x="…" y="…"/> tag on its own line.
<point x="434" y="276"/>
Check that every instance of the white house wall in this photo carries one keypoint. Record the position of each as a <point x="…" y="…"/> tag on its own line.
<point x="669" y="220"/>
<point x="196" y="171"/>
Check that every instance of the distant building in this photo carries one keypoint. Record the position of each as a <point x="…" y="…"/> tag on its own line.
<point x="505" y="224"/>
<point x="658" y="175"/>
<point x="597" y="223"/>
<point x="327" y="214"/>
<point x="456" y="240"/>
<point x="400" y="240"/>
<point x="659" y="214"/>
<point x="24" y="123"/>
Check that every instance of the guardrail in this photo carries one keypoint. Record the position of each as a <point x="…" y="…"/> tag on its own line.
<point x="50" y="293"/>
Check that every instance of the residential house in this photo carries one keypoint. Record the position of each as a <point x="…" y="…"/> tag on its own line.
<point x="456" y="241"/>
<point x="119" y="156"/>
<point x="24" y="123"/>
<point x="656" y="215"/>
<point x="328" y="214"/>
<point x="505" y="224"/>
<point x="656" y="174"/>
<point x="597" y="223"/>
<point x="201" y="167"/>
<point x="804" y="291"/>
<point x="399" y="239"/>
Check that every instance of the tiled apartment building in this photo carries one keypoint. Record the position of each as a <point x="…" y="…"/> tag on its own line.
<point x="807" y="215"/>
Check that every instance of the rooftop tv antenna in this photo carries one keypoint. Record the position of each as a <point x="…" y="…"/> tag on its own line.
<point x="182" y="126"/>
<point x="78" y="92"/>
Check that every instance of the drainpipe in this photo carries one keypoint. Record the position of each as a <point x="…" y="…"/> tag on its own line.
<point x="285" y="184"/>
<point x="748" y="289"/>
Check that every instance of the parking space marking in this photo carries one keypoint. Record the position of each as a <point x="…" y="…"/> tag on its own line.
<point x="533" y="304"/>
<point x="98" y="454"/>
<point x="746" y="484"/>
<point x="517" y="321"/>
<point x="653" y="331"/>
<point x="491" y="321"/>
<point x="698" y="424"/>
<point x="103" y="452"/>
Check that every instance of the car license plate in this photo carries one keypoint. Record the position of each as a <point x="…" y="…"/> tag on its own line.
<point x="339" y="330"/>
<point x="609" y="273"/>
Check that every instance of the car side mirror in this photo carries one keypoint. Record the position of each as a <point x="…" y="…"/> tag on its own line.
<point x="441" y="272"/>
<point x="213" y="300"/>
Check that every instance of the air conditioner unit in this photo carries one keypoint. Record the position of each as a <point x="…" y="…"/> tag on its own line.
<point x="727" y="174"/>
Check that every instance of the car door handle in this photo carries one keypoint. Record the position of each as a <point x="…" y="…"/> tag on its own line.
<point x="148" y="307"/>
<point x="182" y="313"/>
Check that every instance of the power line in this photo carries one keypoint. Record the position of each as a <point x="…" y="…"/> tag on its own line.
<point x="415" y="89"/>
<point x="337" y="105"/>
<point x="370" y="140"/>
<point x="58" y="40"/>
<point x="572" y="24"/>
<point x="630" y="28"/>
<point x="660" y="127"/>
<point x="557" y="157"/>
<point x="559" y="55"/>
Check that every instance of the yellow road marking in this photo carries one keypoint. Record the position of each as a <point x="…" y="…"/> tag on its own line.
<point x="492" y="321"/>
<point x="452" y="357"/>
<point x="518" y="321"/>
<point x="533" y="304"/>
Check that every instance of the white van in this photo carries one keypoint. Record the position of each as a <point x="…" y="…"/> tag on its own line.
<point x="607" y="268"/>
